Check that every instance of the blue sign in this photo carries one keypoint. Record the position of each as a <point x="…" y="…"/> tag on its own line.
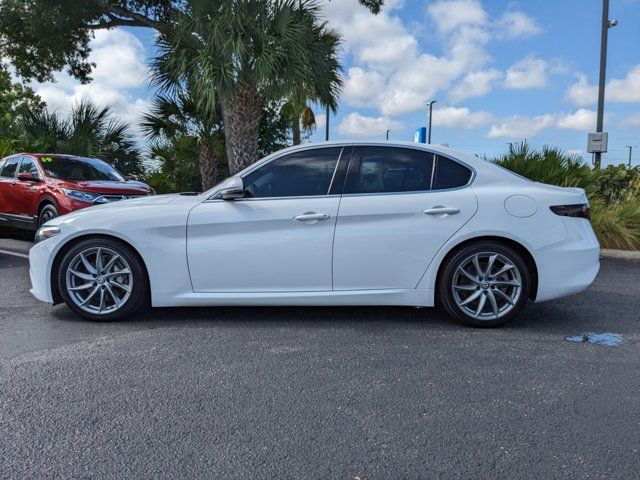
<point x="421" y="135"/>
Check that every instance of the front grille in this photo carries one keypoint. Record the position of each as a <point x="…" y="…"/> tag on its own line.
<point x="115" y="198"/>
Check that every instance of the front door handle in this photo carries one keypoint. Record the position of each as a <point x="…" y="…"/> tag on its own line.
<point x="440" y="210"/>
<point x="312" y="217"/>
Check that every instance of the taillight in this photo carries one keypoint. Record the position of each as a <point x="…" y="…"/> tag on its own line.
<point x="579" y="210"/>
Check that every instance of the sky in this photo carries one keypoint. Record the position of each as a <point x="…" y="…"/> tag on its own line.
<point x="500" y="71"/>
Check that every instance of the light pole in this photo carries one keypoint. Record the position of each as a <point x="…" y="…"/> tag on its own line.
<point x="387" y="134"/>
<point x="606" y="25"/>
<point x="430" y="117"/>
<point x="630" y="147"/>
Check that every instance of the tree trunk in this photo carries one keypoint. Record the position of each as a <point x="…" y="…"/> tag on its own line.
<point x="295" y="129"/>
<point x="209" y="167"/>
<point x="241" y="115"/>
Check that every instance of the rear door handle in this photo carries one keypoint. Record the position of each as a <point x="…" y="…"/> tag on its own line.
<point x="312" y="217"/>
<point x="440" y="210"/>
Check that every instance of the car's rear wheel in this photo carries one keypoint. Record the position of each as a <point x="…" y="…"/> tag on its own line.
<point x="485" y="284"/>
<point x="47" y="213"/>
<point x="102" y="279"/>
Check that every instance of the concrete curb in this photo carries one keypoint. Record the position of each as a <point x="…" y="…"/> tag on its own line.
<point x="629" y="255"/>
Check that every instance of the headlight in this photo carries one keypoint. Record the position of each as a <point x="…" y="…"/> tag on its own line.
<point x="88" y="197"/>
<point x="46" y="232"/>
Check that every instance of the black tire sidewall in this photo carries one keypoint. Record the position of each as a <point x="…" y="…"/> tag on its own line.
<point x="140" y="291"/>
<point x="445" y="293"/>
<point x="44" y="209"/>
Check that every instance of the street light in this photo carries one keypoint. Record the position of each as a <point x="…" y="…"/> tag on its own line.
<point x="430" y="116"/>
<point x="326" y="125"/>
<point x="606" y="25"/>
<point x="388" y="134"/>
<point x="630" y="147"/>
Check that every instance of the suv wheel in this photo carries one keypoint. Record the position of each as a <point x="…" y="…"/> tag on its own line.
<point x="485" y="285"/>
<point x="102" y="279"/>
<point x="47" y="213"/>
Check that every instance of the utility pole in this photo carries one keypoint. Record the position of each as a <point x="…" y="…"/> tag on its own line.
<point x="430" y="117"/>
<point x="326" y="125"/>
<point x="387" y="134"/>
<point x="606" y="25"/>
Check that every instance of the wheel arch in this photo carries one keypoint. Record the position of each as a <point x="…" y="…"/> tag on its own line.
<point x="45" y="200"/>
<point x="57" y="260"/>
<point x="509" y="242"/>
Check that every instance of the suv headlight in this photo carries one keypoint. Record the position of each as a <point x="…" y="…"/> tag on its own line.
<point x="88" y="197"/>
<point x="46" y="232"/>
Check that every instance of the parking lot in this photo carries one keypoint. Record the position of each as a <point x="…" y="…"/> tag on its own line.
<point x="319" y="392"/>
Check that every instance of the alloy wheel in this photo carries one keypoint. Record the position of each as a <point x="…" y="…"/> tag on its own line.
<point x="99" y="280"/>
<point x="486" y="285"/>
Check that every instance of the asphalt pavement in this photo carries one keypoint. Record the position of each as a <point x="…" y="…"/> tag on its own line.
<point x="374" y="393"/>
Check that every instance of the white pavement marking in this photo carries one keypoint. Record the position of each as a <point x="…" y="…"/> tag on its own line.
<point x="15" y="254"/>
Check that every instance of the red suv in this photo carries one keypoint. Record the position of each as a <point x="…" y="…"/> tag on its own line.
<point x="35" y="188"/>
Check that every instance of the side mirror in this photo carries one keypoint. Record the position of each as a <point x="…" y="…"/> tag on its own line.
<point x="233" y="194"/>
<point x="28" y="177"/>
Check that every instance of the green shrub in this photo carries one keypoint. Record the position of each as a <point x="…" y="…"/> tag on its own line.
<point x="617" y="225"/>
<point x="619" y="183"/>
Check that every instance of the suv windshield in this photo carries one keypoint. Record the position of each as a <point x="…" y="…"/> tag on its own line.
<point x="79" y="169"/>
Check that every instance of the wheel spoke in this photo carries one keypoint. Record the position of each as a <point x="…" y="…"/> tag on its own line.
<point x="90" y="268"/>
<point x="471" y="298"/>
<point x="99" y="260"/>
<point x="503" y="295"/>
<point x="85" y="286"/>
<point x="126" y="288"/>
<point x="83" y="276"/>
<point x="481" y="304"/>
<point x="476" y="264"/>
<point x="465" y="287"/>
<point x="115" y="298"/>
<point x="501" y="283"/>
<point x="492" y="260"/>
<point x="90" y="296"/>
<point x="505" y="268"/>
<point x="117" y="273"/>
<point x="101" y="300"/>
<point x="111" y="263"/>
<point x="492" y="301"/>
<point x="468" y="275"/>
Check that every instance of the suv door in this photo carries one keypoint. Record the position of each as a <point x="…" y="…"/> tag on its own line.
<point x="400" y="205"/>
<point x="280" y="238"/>
<point x="8" y="172"/>
<point x="25" y="192"/>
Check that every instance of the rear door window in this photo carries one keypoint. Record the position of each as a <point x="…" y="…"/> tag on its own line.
<point x="10" y="167"/>
<point x="450" y="174"/>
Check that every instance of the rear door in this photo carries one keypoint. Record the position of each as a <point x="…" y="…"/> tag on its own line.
<point x="400" y="205"/>
<point x="26" y="192"/>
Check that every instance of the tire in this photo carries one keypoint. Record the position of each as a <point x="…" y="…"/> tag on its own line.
<point x="505" y="287"/>
<point x="119" y="290"/>
<point x="48" y="212"/>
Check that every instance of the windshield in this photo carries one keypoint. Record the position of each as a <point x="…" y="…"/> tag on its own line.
<point x="79" y="169"/>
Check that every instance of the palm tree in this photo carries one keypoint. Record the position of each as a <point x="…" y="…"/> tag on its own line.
<point x="177" y="116"/>
<point x="239" y="54"/>
<point x="89" y="131"/>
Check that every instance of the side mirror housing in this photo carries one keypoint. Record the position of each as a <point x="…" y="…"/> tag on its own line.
<point x="28" y="177"/>
<point x="233" y="194"/>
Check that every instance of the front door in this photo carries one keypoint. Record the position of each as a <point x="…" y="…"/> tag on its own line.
<point x="399" y="207"/>
<point x="279" y="239"/>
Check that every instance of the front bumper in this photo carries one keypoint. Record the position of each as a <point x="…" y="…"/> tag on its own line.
<point x="570" y="266"/>
<point x="40" y="260"/>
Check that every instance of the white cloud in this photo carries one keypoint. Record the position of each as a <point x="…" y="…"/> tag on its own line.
<point x="460" y="117"/>
<point x="475" y="84"/>
<point x="530" y="72"/>
<point x="362" y="87"/>
<point x="518" y="126"/>
<point x="120" y="65"/>
<point x="623" y="90"/>
<point x="518" y="24"/>
<point x="356" y="125"/>
<point x="452" y="14"/>
<point x="581" y="120"/>
<point x="581" y="93"/>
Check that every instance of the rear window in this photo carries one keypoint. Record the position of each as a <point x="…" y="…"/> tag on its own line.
<point x="79" y="169"/>
<point x="10" y="166"/>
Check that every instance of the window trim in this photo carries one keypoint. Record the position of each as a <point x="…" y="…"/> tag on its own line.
<point x="433" y="171"/>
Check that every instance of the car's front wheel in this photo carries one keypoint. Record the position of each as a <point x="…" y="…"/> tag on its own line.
<point x="102" y="279"/>
<point x="47" y="213"/>
<point x="485" y="284"/>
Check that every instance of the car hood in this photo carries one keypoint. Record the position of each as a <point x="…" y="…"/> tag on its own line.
<point x="130" y="187"/>
<point x="130" y="210"/>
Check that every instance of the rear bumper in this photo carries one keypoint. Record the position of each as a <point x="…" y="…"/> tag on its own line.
<point x="570" y="266"/>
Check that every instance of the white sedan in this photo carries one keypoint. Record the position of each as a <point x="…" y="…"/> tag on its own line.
<point x="329" y="224"/>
